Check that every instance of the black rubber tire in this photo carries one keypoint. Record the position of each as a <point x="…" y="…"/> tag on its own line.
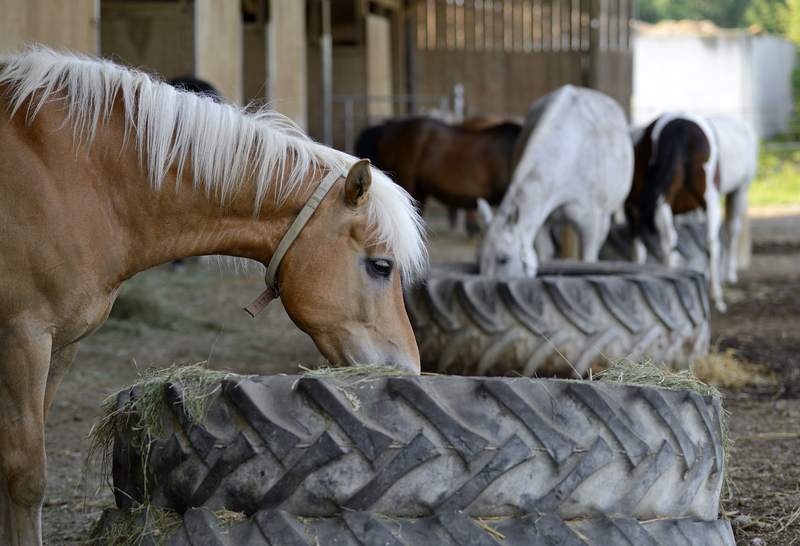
<point x="277" y="528"/>
<point x="692" y="247"/>
<point x="415" y="446"/>
<point x="573" y="315"/>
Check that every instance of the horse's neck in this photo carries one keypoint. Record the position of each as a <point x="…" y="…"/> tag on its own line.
<point x="180" y="221"/>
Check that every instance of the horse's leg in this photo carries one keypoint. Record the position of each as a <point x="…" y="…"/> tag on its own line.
<point x="473" y="225"/>
<point x="735" y="209"/>
<point x="543" y="243"/>
<point x="452" y="216"/>
<point x="713" y="223"/>
<point x="24" y="362"/>
<point x="639" y="250"/>
<point x="59" y="364"/>
<point x="667" y="234"/>
<point x="594" y="228"/>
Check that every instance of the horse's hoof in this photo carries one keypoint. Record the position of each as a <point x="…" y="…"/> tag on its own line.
<point x="720" y="305"/>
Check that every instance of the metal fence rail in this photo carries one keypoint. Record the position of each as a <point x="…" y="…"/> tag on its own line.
<point x="355" y="112"/>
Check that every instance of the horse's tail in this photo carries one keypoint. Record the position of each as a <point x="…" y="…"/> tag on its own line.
<point x="670" y="148"/>
<point x="367" y="144"/>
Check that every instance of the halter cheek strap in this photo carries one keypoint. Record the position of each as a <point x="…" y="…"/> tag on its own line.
<point x="316" y="198"/>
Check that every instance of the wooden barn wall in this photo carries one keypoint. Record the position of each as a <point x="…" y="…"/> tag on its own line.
<point x="49" y="22"/>
<point x="508" y="53"/>
<point x="156" y="36"/>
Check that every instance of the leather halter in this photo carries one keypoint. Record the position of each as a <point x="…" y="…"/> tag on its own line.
<point x="299" y="223"/>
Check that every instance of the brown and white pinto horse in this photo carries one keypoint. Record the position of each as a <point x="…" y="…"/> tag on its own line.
<point x="456" y="165"/>
<point x="105" y="172"/>
<point x="676" y="170"/>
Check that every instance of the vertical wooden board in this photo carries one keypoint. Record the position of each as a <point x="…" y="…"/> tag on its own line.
<point x="56" y="23"/>
<point x="155" y="36"/>
<point x="13" y="25"/>
<point x="349" y="78"/>
<point x="441" y="25"/>
<point x="525" y="83"/>
<point x="379" y="66"/>
<point x="254" y="73"/>
<point x="287" y="59"/>
<point x="494" y="83"/>
<point x="218" y="46"/>
<point x="473" y="76"/>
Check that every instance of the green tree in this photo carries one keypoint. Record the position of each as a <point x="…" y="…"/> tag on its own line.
<point x="724" y="13"/>
<point x="771" y="15"/>
<point x="793" y="21"/>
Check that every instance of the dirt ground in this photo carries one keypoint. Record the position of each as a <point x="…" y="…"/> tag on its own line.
<point x="197" y="315"/>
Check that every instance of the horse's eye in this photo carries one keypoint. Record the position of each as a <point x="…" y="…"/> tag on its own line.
<point x="502" y="259"/>
<point x="381" y="267"/>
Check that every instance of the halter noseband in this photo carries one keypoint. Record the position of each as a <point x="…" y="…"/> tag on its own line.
<point x="271" y="277"/>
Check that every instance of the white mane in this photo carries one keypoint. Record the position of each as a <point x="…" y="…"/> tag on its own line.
<point x="222" y="143"/>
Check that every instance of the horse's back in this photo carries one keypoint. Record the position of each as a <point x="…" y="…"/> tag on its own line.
<point x="738" y="151"/>
<point x="367" y="144"/>
<point x="576" y="132"/>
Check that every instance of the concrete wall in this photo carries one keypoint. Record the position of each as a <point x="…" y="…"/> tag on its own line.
<point x="732" y="72"/>
<point x="773" y="60"/>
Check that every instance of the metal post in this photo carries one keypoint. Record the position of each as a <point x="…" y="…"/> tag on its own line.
<point x="411" y="52"/>
<point x="458" y="104"/>
<point x="327" y="74"/>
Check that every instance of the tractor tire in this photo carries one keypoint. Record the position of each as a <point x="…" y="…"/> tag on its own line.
<point x="692" y="246"/>
<point x="275" y="527"/>
<point x="413" y="446"/>
<point x="572" y="316"/>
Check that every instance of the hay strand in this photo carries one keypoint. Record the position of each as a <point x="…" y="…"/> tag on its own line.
<point x="142" y="415"/>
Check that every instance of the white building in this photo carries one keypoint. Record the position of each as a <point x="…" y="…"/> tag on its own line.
<point x="697" y="67"/>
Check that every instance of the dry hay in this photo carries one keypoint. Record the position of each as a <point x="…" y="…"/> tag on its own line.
<point x="142" y="415"/>
<point x="144" y="524"/>
<point x="730" y="370"/>
<point x="644" y="373"/>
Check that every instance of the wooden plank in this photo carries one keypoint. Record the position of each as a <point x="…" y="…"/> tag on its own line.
<point x="254" y="83"/>
<point x="218" y="46"/>
<point x="13" y="25"/>
<point x="154" y="36"/>
<point x="50" y="22"/>
<point x="287" y="59"/>
<point x="379" y="66"/>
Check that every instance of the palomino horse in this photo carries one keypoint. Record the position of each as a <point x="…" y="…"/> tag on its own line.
<point x="676" y="171"/>
<point x="106" y="172"/>
<point x="573" y="162"/>
<point x="453" y="164"/>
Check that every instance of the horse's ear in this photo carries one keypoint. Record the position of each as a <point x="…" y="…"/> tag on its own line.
<point x="485" y="214"/>
<point x="358" y="182"/>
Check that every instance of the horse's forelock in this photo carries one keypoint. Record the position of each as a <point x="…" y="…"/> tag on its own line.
<point x="393" y="219"/>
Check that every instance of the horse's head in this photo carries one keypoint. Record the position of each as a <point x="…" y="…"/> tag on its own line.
<point x="340" y="282"/>
<point x="504" y="249"/>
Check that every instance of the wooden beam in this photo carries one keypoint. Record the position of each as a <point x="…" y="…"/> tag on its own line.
<point x="287" y="83"/>
<point x="218" y="46"/>
<point x="55" y="23"/>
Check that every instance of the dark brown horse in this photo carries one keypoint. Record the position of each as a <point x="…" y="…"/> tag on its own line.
<point x="676" y="171"/>
<point x="456" y="165"/>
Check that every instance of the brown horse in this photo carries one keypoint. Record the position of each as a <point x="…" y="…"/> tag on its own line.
<point x="105" y="172"/>
<point x="676" y="171"/>
<point x="456" y="165"/>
